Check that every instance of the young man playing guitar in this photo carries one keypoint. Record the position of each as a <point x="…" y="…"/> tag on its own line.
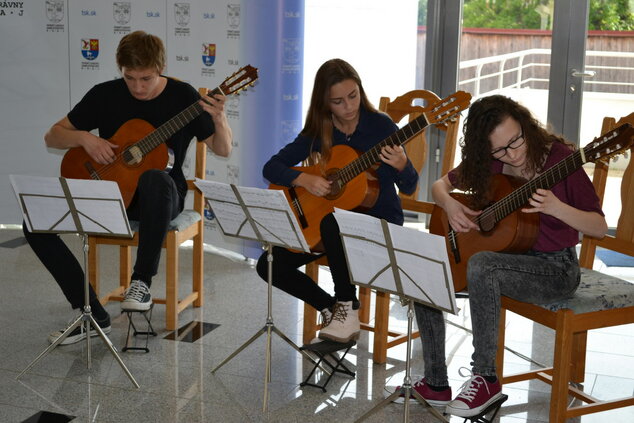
<point x="142" y="93"/>
<point x="339" y="114"/>
<point x="503" y="138"/>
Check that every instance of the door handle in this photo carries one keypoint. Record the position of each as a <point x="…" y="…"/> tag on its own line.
<point x="583" y="74"/>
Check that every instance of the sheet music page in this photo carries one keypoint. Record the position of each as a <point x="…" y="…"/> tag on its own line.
<point x="279" y="227"/>
<point x="276" y="221"/>
<point x="45" y="207"/>
<point x="269" y="209"/>
<point x="424" y="267"/>
<point x="36" y="194"/>
<point x="364" y="242"/>
<point x="421" y="260"/>
<point x="216" y="190"/>
<point x="225" y="206"/>
<point x="100" y="206"/>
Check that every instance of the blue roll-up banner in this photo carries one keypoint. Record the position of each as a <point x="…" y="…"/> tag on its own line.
<point x="273" y="40"/>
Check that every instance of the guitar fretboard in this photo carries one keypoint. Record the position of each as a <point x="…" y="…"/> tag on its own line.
<point x="518" y="198"/>
<point x="371" y="157"/>
<point x="169" y="128"/>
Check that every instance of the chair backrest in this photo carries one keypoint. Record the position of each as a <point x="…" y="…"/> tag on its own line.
<point x="200" y="170"/>
<point x="623" y="240"/>
<point x="416" y="148"/>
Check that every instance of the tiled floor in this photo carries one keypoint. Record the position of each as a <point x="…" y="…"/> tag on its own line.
<point x="176" y="382"/>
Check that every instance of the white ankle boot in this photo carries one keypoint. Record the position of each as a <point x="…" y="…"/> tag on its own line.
<point x="324" y="320"/>
<point x="344" y="324"/>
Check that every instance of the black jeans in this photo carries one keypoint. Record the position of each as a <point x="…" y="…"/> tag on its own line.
<point x="288" y="277"/>
<point x="156" y="202"/>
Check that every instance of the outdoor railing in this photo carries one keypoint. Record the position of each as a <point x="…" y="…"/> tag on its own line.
<point x="523" y="66"/>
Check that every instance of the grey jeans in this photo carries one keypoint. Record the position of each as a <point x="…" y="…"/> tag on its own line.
<point x="534" y="277"/>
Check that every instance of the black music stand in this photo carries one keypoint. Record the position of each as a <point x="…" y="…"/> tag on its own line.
<point x="405" y="262"/>
<point x="265" y="216"/>
<point x="74" y="206"/>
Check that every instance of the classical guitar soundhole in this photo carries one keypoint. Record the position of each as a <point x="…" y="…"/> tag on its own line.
<point x="132" y="155"/>
<point x="337" y="186"/>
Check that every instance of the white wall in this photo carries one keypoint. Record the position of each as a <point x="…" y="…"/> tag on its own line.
<point x="377" y="37"/>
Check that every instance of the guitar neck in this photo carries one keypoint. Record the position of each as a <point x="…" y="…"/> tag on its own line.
<point x="371" y="157"/>
<point x="520" y="196"/>
<point x="169" y="128"/>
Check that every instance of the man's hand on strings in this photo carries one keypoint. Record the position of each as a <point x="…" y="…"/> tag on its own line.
<point x="99" y="149"/>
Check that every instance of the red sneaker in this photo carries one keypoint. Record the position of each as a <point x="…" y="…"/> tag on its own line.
<point x="436" y="398"/>
<point x="477" y="394"/>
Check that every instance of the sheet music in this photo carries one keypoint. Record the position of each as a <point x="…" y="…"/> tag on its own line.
<point x="421" y="260"/>
<point x="269" y="210"/>
<point x="46" y="208"/>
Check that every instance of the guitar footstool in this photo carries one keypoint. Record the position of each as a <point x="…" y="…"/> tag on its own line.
<point x="147" y="315"/>
<point x="325" y="352"/>
<point x="494" y="406"/>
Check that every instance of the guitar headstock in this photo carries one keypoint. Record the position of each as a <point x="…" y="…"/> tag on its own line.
<point x="447" y="109"/>
<point x="240" y="80"/>
<point x="608" y="145"/>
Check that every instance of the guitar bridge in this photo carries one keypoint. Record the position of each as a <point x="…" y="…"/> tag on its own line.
<point x="92" y="171"/>
<point x="298" y="208"/>
<point x="452" y="238"/>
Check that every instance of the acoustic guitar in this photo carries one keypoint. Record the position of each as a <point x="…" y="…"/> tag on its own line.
<point x="354" y="184"/>
<point x="503" y="226"/>
<point x="141" y="147"/>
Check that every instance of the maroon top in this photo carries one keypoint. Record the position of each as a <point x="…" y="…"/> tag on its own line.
<point x="576" y="190"/>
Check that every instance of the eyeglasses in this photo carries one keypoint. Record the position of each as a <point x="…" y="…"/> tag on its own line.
<point x="515" y="143"/>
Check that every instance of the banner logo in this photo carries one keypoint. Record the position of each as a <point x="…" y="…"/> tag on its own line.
<point x="291" y="50"/>
<point x="55" y="10"/>
<point x="90" y="48"/>
<point x="182" y="14"/>
<point x="233" y="15"/>
<point x="209" y="54"/>
<point x="122" y="10"/>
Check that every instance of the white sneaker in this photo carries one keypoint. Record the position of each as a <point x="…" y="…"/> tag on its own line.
<point x="344" y="324"/>
<point x="79" y="333"/>
<point x="137" y="297"/>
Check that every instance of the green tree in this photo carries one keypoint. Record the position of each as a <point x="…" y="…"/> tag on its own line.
<point x="501" y="14"/>
<point x="611" y="15"/>
<point x="606" y="15"/>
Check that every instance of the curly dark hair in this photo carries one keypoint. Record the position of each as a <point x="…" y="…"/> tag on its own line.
<point x="485" y="114"/>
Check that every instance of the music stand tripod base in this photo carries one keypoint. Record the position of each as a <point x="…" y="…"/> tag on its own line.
<point x="147" y="315"/>
<point x="104" y="200"/>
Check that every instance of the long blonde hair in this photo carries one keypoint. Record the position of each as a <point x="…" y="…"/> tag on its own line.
<point x="319" y="125"/>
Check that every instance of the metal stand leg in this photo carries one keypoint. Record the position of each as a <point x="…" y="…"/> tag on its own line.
<point x="406" y="388"/>
<point x="268" y="328"/>
<point x="87" y="320"/>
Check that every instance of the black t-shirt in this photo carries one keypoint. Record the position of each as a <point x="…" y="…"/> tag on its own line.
<point x="107" y="106"/>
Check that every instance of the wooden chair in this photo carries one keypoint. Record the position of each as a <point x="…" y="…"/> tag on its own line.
<point x="417" y="152"/>
<point x="188" y="225"/>
<point x="600" y="301"/>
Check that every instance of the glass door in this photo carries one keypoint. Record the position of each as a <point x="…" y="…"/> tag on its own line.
<point x="608" y="88"/>
<point x="505" y="48"/>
